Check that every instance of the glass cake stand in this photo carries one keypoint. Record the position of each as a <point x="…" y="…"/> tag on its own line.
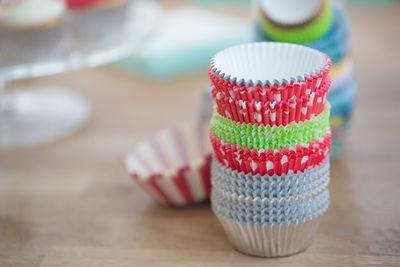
<point x="32" y="116"/>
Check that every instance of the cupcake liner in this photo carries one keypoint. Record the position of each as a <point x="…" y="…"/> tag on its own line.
<point x="270" y="137"/>
<point x="273" y="112"/>
<point x="260" y="71"/>
<point x="291" y="13"/>
<point x="271" y="200"/>
<point x="231" y="182"/>
<point x="240" y="180"/>
<point x="271" y="214"/>
<point x="174" y="166"/>
<point x="271" y="161"/>
<point x="304" y="32"/>
<point x="270" y="241"/>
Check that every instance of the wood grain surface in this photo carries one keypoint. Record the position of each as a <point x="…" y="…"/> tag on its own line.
<point x="70" y="203"/>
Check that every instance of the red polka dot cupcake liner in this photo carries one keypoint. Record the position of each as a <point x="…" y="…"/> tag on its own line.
<point x="271" y="161"/>
<point x="272" y="112"/>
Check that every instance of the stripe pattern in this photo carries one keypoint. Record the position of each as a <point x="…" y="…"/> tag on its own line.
<point x="174" y="166"/>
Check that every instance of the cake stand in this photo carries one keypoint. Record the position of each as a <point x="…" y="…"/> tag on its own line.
<point x="32" y="116"/>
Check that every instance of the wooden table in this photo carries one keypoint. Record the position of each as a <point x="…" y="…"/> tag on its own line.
<point x="71" y="202"/>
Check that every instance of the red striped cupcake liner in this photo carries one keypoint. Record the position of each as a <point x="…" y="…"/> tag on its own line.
<point x="273" y="112"/>
<point x="173" y="167"/>
<point x="271" y="161"/>
<point x="268" y="93"/>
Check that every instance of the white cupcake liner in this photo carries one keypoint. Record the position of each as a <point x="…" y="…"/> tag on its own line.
<point x="268" y="64"/>
<point x="174" y="166"/>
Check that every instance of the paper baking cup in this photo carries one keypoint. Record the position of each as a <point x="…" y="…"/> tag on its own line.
<point x="268" y="71"/>
<point x="266" y="240"/>
<point x="291" y="13"/>
<point x="273" y="112"/>
<point x="254" y="205"/>
<point x="280" y="212"/>
<point x="255" y="182"/>
<point x="174" y="166"/>
<point x="271" y="161"/>
<point x="233" y="182"/>
<point x="270" y="137"/>
<point x="304" y="32"/>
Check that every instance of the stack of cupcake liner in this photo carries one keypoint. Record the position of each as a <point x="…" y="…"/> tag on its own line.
<point x="271" y="138"/>
<point x="290" y="21"/>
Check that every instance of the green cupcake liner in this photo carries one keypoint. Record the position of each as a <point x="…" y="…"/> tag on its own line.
<point x="266" y="137"/>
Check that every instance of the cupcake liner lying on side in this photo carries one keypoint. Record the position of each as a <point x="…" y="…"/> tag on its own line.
<point x="174" y="166"/>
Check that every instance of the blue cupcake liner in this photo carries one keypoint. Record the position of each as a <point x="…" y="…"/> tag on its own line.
<point x="273" y="217"/>
<point x="298" y="205"/>
<point x="270" y="201"/>
<point x="301" y="184"/>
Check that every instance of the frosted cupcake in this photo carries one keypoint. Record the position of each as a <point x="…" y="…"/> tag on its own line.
<point x="96" y="23"/>
<point x="29" y="33"/>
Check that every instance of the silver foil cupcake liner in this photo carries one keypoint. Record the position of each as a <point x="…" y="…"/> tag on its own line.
<point x="270" y="241"/>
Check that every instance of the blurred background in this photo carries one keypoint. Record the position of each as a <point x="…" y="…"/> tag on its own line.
<point x="69" y="113"/>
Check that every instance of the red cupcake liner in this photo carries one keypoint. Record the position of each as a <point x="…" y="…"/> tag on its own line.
<point x="174" y="166"/>
<point x="271" y="161"/>
<point x="272" y="112"/>
<point x="268" y="93"/>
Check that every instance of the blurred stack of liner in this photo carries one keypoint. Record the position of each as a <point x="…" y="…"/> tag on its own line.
<point x="324" y="26"/>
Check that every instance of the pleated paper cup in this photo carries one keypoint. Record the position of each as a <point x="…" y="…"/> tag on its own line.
<point x="270" y="241"/>
<point x="273" y="112"/>
<point x="268" y="71"/>
<point x="309" y="182"/>
<point x="271" y="161"/>
<point x="275" y="212"/>
<point x="173" y="167"/>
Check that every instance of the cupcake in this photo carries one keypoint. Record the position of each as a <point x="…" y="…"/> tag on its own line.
<point x="96" y="23"/>
<point x="29" y="33"/>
